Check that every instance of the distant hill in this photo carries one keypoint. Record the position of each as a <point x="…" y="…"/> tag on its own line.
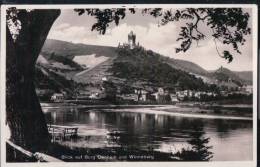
<point x="245" y="75"/>
<point x="145" y="68"/>
<point x="48" y="79"/>
<point x="225" y="75"/>
<point x="141" y="68"/>
<point x="187" y="66"/>
<point x="70" y="50"/>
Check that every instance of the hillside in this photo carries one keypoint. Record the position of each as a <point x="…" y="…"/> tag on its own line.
<point x="48" y="82"/>
<point x="245" y="75"/>
<point x="94" y="74"/>
<point x="187" y="66"/>
<point x="89" y="64"/>
<point x="145" y="68"/>
<point x="62" y="62"/>
<point x="225" y="75"/>
<point x="70" y="50"/>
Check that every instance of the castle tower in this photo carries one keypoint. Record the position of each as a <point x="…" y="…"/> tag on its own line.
<point x="131" y="40"/>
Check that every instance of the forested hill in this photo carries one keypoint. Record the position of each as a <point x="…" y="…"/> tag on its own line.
<point x="141" y="66"/>
<point x="68" y="49"/>
<point x="92" y="62"/>
<point x="187" y="66"/>
<point x="240" y="78"/>
<point x="245" y="75"/>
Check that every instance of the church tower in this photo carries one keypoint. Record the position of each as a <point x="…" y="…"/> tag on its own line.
<point x="131" y="40"/>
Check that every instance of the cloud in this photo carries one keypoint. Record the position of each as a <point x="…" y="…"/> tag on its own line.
<point x="66" y="32"/>
<point x="206" y="55"/>
<point x="159" y="39"/>
<point x="63" y="26"/>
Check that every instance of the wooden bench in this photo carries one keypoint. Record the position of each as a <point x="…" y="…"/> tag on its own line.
<point x="61" y="132"/>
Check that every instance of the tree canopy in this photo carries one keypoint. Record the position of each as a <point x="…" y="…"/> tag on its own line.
<point x="229" y="25"/>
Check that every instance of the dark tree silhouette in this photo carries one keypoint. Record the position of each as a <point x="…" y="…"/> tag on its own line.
<point x="199" y="151"/>
<point x="23" y="111"/>
<point x="24" y="115"/>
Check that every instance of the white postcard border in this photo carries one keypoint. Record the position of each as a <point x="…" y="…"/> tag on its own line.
<point x="119" y="164"/>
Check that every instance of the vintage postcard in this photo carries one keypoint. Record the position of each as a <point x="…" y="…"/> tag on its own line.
<point x="128" y="85"/>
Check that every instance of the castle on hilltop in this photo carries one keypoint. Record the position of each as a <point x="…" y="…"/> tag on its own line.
<point x="131" y="42"/>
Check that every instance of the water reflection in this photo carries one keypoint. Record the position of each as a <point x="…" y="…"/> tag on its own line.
<point x="155" y="132"/>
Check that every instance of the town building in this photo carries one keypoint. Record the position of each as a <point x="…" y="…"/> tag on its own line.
<point x="174" y="97"/>
<point x="130" y="97"/>
<point x="162" y="95"/>
<point x="57" y="97"/>
<point x="142" y="94"/>
<point x="247" y="89"/>
<point x="180" y="95"/>
<point x="98" y="95"/>
<point x="197" y="95"/>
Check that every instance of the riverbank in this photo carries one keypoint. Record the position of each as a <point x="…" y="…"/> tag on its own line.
<point x="195" y="110"/>
<point x="100" y="106"/>
<point x="181" y="112"/>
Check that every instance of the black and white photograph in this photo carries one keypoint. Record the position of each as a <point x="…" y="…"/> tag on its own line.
<point x="129" y="83"/>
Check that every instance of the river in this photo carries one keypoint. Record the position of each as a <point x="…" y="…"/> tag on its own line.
<point x="229" y="139"/>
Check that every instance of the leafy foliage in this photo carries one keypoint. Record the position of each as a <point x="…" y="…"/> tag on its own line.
<point x="13" y="22"/>
<point x="110" y="90"/>
<point x="199" y="146"/>
<point x="227" y="56"/>
<point x="228" y="25"/>
<point x="104" y="17"/>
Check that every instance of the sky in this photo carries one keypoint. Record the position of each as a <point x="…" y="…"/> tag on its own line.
<point x="162" y="39"/>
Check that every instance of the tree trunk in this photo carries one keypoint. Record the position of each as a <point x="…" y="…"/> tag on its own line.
<point x="23" y="111"/>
